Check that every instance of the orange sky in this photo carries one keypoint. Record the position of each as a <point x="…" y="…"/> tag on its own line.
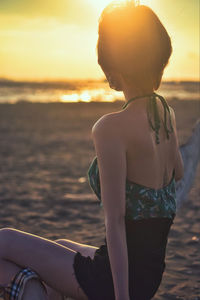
<point x="57" y="39"/>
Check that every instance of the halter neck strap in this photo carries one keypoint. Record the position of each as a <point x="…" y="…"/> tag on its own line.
<point x="152" y="106"/>
<point x="136" y="97"/>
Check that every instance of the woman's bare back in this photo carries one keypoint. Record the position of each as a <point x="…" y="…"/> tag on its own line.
<point x="148" y="163"/>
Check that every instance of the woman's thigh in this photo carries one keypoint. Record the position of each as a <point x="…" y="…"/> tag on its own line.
<point x="52" y="262"/>
<point x="84" y="249"/>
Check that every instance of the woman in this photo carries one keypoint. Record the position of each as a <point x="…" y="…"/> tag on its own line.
<point x="139" y="161"/>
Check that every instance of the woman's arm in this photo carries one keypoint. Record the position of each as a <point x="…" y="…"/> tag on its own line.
<point x="117" y="250"/>
<point x="179" y="166"/>
<point x="111" y="155"/>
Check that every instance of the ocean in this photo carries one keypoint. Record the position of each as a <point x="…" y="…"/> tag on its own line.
<point x="85" y="91"/>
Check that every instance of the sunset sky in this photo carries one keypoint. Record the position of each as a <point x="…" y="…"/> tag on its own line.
<point x="51" y="39"/>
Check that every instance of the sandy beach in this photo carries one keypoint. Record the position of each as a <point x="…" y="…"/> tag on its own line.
<point x="45" y="152"/>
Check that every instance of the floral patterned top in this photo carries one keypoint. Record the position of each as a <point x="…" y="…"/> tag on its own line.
<point x="141" y="201"/>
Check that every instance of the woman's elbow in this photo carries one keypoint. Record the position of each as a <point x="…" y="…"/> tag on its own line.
<point x="178" y="176"/>
<point x="179" y="167"/>
<point x="179" y="172"/>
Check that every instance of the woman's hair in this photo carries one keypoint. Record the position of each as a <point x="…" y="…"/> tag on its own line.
<point x="133" y="42"/>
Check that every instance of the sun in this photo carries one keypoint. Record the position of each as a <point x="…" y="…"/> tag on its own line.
<point x="145" y="2"/>
<point x="99" y="5"/>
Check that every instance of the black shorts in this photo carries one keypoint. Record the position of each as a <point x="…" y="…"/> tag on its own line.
<point x="146" y="242"/>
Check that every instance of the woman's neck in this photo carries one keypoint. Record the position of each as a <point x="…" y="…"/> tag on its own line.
<point x="131" y="92"/>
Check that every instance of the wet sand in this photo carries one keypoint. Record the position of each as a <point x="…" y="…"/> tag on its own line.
<point x="45" y="152"/>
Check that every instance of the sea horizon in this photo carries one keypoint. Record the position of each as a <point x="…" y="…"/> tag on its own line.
<point x="84" y="90"/>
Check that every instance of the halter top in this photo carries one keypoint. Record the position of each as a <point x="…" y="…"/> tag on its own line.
<point x="141" y="201"/>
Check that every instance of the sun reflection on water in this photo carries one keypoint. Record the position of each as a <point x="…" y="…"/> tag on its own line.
<point x="75" y="97"/>
<point x="70" y="98"/>
<point x="85" y="96"/>
<point x="88" y="95"/>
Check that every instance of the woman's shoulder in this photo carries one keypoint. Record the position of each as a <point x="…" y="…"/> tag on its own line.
<point x="106" y="123"/>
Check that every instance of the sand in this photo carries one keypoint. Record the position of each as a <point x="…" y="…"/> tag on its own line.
<point x="45" y="152"/>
